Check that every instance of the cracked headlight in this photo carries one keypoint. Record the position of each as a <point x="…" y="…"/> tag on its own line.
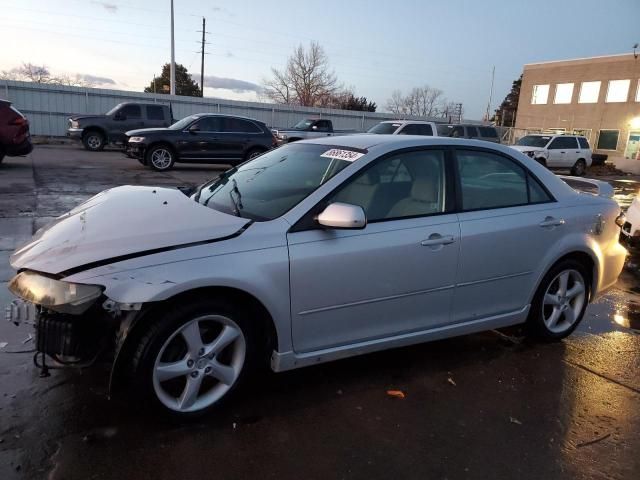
<point x="57" y="295"/>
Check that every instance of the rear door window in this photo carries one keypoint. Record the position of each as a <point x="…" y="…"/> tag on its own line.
<point x="488" y="132"/>
<point x="155" y="112"/>
<point x="583" y="142"/>
<point x="563" y="142"/>
<point x="238" y="125"/>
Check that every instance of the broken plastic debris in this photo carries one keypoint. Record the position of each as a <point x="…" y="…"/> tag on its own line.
<point x="515" y="420"/>
<point x="452" y="382"/>
<point x="396" y="393"/>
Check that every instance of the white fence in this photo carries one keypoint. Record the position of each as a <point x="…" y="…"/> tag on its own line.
<point x="48" y="107"/>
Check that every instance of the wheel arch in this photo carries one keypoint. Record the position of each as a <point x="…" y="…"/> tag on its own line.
<point x="133" y="328"/>
<point x="586" y="258"/>
<point x="95" y="128"/>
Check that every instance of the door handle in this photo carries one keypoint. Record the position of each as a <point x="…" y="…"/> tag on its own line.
<point x="563" y="152"/>
<point x="437" y="239"/>
<point x="552" y="222"/>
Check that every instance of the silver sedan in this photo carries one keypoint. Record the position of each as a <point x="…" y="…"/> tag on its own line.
<point x="314" y="251"/>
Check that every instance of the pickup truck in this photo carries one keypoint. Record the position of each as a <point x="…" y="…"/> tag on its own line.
<point x="96" y="131"/>
<point x="309" y="128"/>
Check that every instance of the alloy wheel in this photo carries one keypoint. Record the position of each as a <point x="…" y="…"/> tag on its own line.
<point x="161" y="158"/>
<point x="199" y="363"/>
<point x="94" y="142"/>
<point x="563" y="301"/>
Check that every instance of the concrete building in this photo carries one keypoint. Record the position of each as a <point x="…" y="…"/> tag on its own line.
<point x="598" y="97"/>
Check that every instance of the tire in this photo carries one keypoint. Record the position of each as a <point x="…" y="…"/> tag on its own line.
<point x="177" y="366"/>
<point x="253" y="153"/>
<point x="160" y="158"/>
<point x="579" y="168"/>
<point x="555" y="314"/>
<point x="93" y="140"/>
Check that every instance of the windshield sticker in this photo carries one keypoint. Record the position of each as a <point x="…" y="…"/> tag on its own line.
<point x="346" y="155"/>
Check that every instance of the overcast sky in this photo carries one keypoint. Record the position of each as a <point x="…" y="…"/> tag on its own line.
<point x="376" y="46"/>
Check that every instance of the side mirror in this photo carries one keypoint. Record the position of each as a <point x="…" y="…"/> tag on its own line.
<point x="343" y="216"/>
<point x="119" y="116"/>
<point x="315" y="127"/>
<point x="194" y="129"/>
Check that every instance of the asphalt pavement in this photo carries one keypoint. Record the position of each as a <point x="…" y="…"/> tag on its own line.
<point x="490" y="405"/>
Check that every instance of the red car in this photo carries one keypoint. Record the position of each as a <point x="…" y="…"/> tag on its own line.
<point x="15" y="139"/>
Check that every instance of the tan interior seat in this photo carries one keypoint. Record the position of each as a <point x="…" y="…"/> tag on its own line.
<point x="424" y="199"/>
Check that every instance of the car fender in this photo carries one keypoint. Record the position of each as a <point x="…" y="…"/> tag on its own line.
<point x="261" y="273"/>
<point x="572" y="243"/>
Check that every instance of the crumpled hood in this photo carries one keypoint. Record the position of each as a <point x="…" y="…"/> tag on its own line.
<point x="123" y="221"/>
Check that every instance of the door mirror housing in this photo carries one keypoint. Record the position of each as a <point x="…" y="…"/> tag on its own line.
<point x="194" y="129"/>
<point x="119" y="116"/>
<point x="315" y="127"/>
<point x="342" y="216"/>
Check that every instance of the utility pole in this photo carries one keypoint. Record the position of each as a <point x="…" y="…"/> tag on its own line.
<point x="202" y="61"/>
<point x="173" y="57"/>
<point x="493" y="75"/>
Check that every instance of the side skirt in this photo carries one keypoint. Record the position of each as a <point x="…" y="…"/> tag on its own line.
<point x="282" y="361"/>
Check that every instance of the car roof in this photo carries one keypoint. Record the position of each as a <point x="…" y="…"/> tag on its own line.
<point x="554" y="135"/>
<point x="405" y="121"/>
<point x="365" y="141"/>
<point x="224" y="115"/>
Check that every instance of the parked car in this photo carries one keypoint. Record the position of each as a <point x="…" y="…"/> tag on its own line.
<point x="15" y="139"/>
<point x="309" y="128"/>
<point x="96" y="131"/>
<point x="315" y="251"/>
<point x="201" y="138"/>
<point x="631" y="227"/>
<point x="405" y="127"/>
<point x="476" y="132"/>
<point x="557" y="151"/>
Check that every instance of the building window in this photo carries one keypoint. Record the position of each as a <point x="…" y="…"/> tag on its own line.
<point x="540" y="94"/>
<point x="564" y="92"/>
<point x="589" y="92"/>
<point x="608" y="140"/>
<point x="638" y="92"/>
<point x="618" y="91"/>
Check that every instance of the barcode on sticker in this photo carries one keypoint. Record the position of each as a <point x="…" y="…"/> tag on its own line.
<point x="347" y="155"/>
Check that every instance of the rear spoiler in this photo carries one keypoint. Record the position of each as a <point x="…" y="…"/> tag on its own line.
<point x="588" y="185"/>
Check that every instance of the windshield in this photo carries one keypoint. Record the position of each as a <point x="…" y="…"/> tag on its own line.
<point x="385" y="128"/>
<point x="180" y="124"/>
<point x="273" y="183"/>
<point x="533" y="141"/>
<point x="114" y="109"/>
<point x="303" y="125"/>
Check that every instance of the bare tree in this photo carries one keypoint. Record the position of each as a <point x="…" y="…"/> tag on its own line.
<point x="397" y="103"/>
<point x="423" y="101"/>
<point x="307" y="79"/>
<point x="34" y="73"/>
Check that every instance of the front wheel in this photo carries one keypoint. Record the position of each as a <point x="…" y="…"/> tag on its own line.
<point x="560" y="301"/>
<point x="253" y="153"/>
<point x="579" y="168"/>
<point x="93" y="141"/>
<point x="160" y="158"/>
<point x="195" y="357"/>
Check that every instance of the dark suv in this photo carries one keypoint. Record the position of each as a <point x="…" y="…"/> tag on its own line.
<point x="200" y="138"/>
<point x="15" y="139"/>
<point x="477" y="132"/>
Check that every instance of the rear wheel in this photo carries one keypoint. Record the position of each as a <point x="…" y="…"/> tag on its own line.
<point x="195" y="357"/>
<point x="93" y="140"/>
<point x="160" y="158"/>
<point x="579" y="168"/>
<point x="560" y="301"/>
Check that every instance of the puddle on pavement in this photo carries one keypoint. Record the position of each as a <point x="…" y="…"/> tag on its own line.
<point x="628" y="317"/>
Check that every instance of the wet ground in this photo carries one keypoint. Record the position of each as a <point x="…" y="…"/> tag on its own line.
<point x="481" y="406"/>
